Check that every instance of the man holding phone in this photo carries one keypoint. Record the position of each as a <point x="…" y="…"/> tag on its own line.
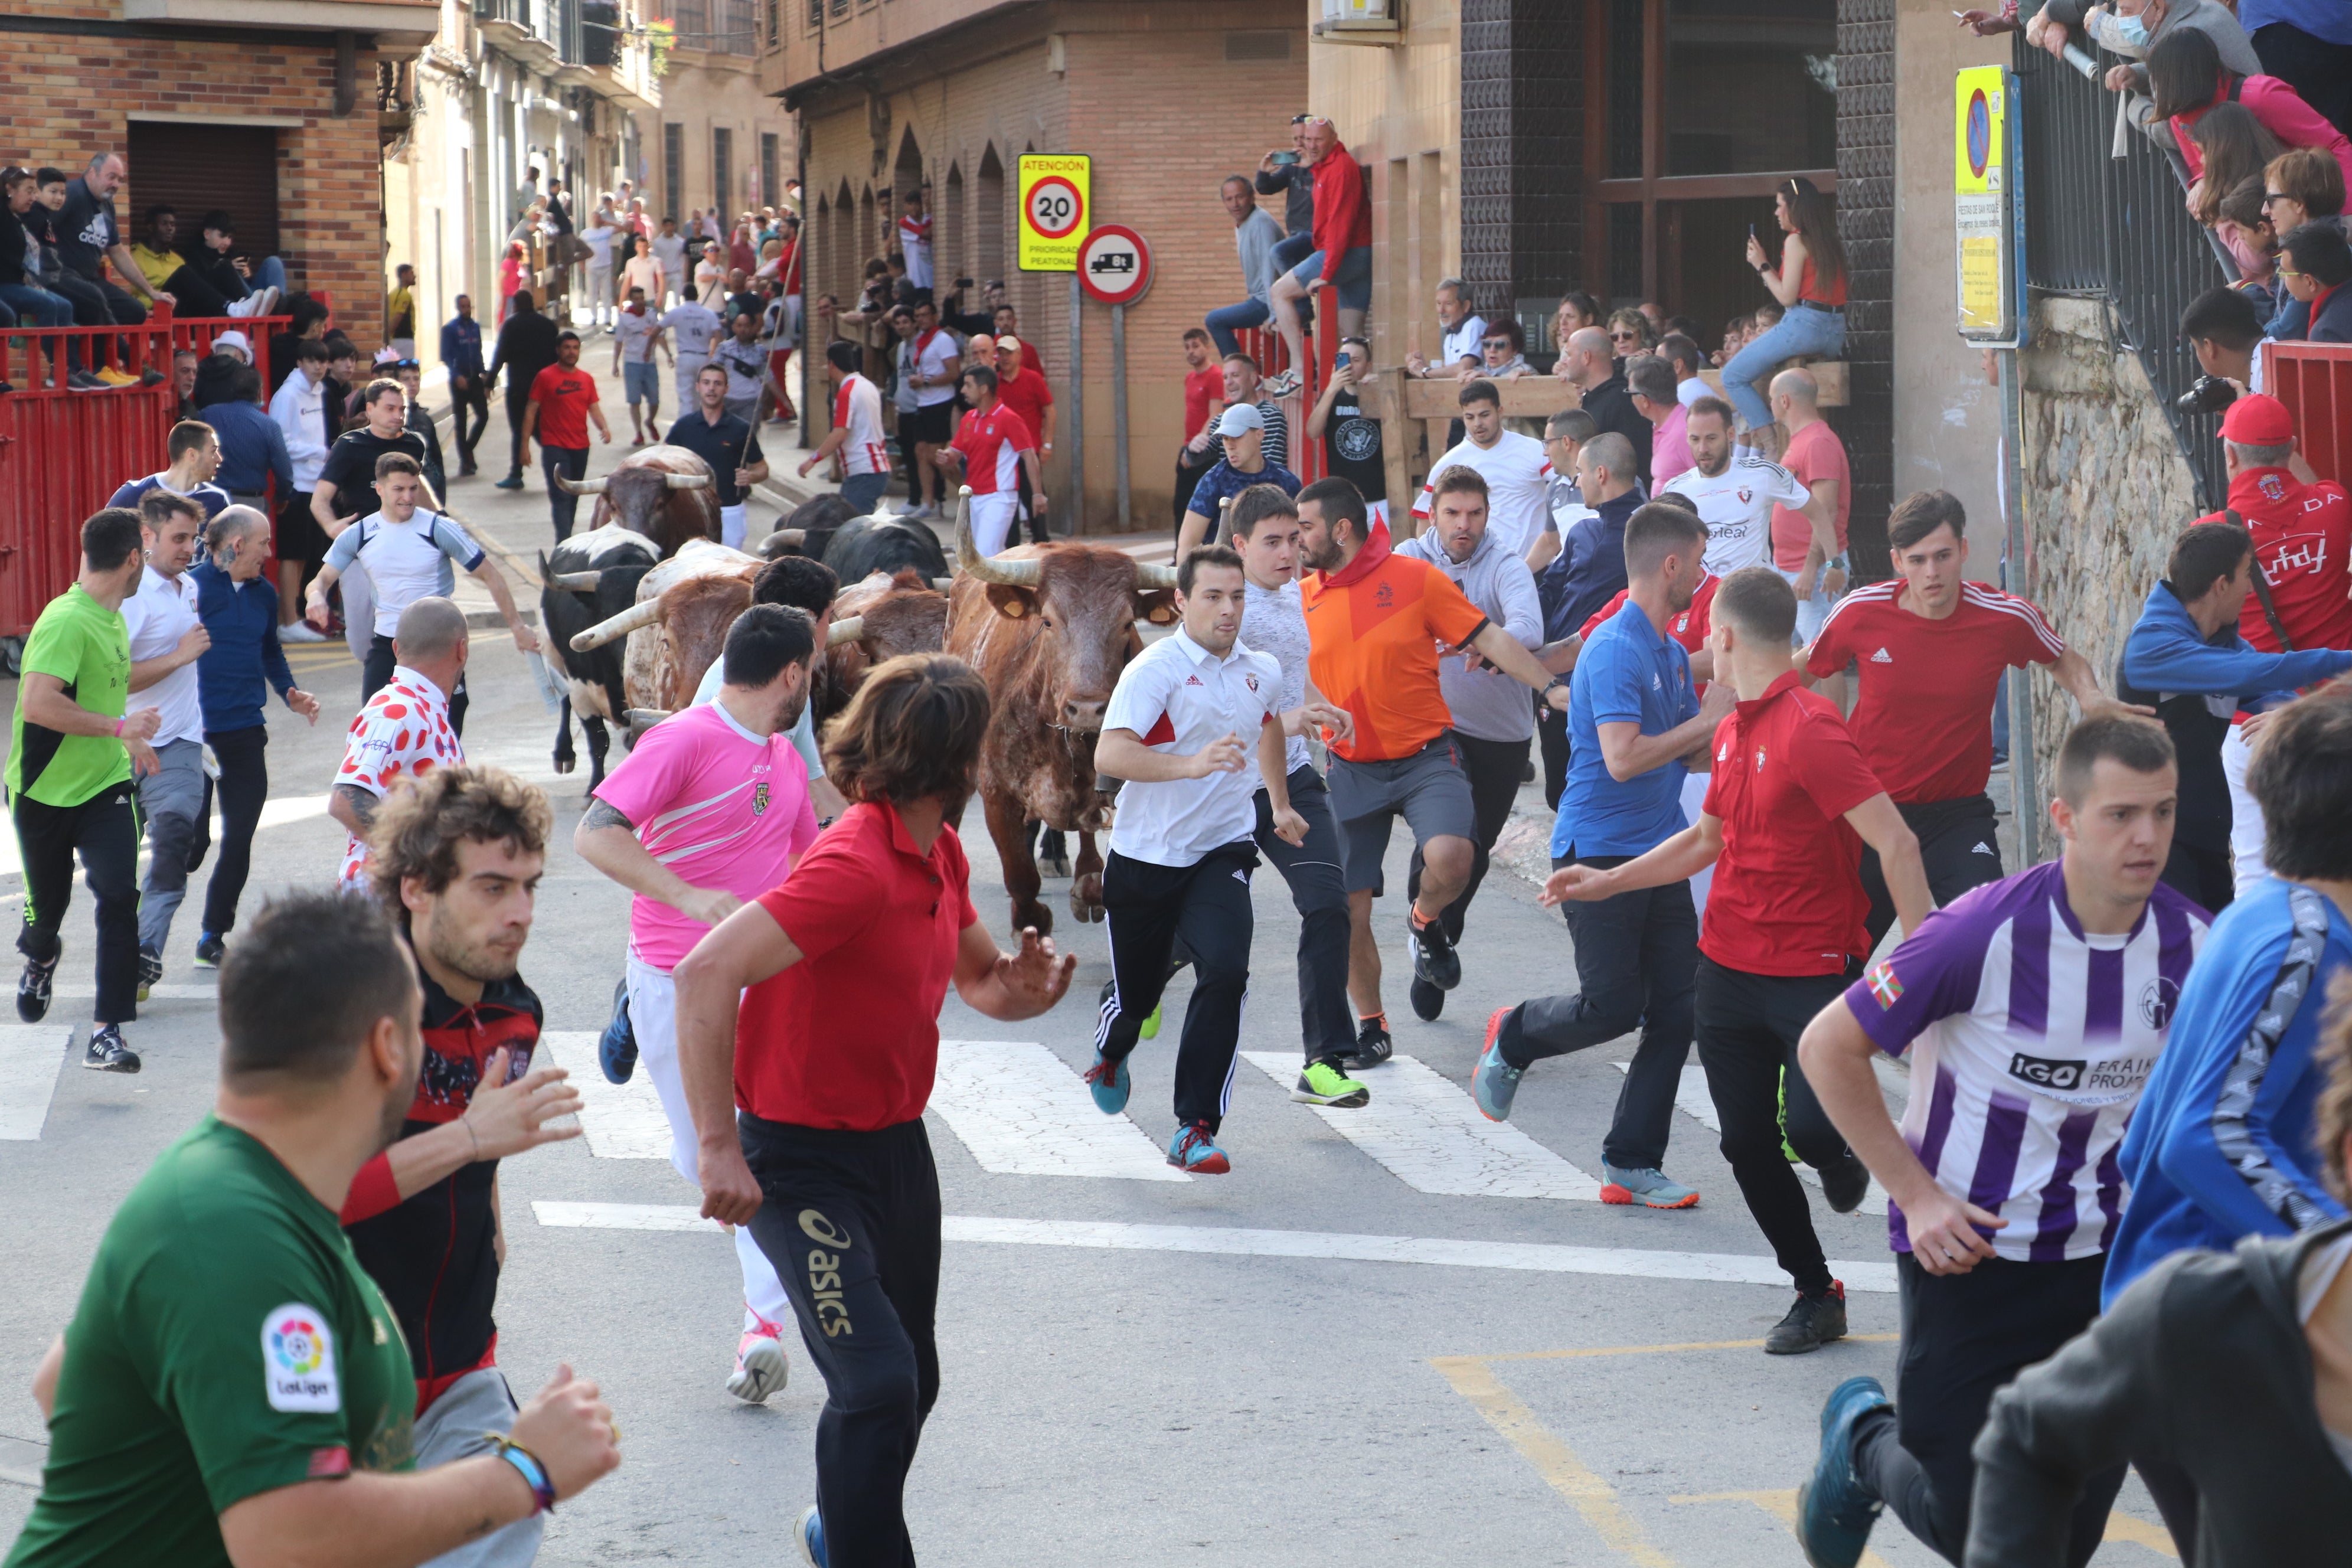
<point x="1351" y="438"/>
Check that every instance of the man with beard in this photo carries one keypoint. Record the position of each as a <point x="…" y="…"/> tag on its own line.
<point x="457" y="858"/>
<point x="709" y="810"/>
<point x="233" y="1386"/>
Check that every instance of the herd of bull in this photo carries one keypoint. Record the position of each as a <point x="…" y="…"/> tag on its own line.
<point x="637" y="607"/>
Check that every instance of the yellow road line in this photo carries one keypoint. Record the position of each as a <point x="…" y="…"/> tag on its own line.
<point x="1655" y="1350"/>
<point x="1553" y="1459"/>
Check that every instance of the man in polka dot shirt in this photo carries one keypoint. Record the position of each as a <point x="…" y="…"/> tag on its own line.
<point x="403" y="730"/>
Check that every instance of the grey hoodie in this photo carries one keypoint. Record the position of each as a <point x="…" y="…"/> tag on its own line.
<point x="1487" y="705"/>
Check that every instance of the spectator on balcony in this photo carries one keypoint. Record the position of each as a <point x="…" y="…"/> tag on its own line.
<point x="2315" y="264"/>
<point x="2222" y="326"/>
<point x="1342" y="257"/>
<point x="2245" y="232"/>
<point x="1461" y="332"/>
<point x="559" y="208"/>
<point x="20" y="260"/>
<point x="1350" y="436"/>
<point x="2236" y="149"/>
<point x="1591" y="370"/>
<point x="1503" y="350"/>
<point x="232" y="274"/>
<point x="184" y="382"/>
<point x="1243" y="386"/>
<point x="2300" y="186"/>
<point x="193" y="451"/>
<point x="1631" y="333"/>
<point x="1291" y="175"/>
<point x="1681" y="350"/>
<point x="160" y="264"/>
<point x="1649" y="384"/>
<point x="1810" y="281"/>
<point x="1576" y="310"/>
<point x="252" y="446"/>
<point x="89" y="237"/>
<point x="2133" y="28"/>
<point x="217" y="372"/>
<point x="2188" y="78"/>
<point x="1256" y="238"/>
<point x="669" y="250"/>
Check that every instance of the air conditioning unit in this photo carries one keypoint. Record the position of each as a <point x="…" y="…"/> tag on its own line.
<point x="1361" y="21"/>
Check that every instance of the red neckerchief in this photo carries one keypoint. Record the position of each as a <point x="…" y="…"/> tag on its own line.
<point x="1366" y="562"/>
<point x="922" y="345"/>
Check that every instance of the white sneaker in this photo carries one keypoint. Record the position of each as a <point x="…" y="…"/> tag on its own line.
<point x="300" y="631"/>
<point x="913" y="508"/>
<point x="760" y="1368"/>
<point x="243" y="307"/>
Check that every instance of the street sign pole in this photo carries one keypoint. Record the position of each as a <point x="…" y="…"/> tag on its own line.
<point x="1118" y="404"/>
<point x="1114" y="268"/>
<point x="1077" y="500"/>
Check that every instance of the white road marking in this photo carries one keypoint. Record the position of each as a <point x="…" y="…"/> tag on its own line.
<point x="1431" y="1136"/>
<point x="1692" y="1098"/>
<point x="1535" y="1256"/>
<point x="623" y="1121"/>
<point x="30" y="1057"/>
<point x="275" y="813"/>
<point x="155" y="994"/>
<point x="1021" y="1111"/>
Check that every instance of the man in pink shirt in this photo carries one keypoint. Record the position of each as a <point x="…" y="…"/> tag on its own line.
<point x="709" y="810"/>
<point x="1650" y="379"/>
<point x="1815" y="565"/>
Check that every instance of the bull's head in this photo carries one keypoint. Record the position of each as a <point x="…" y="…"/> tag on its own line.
<point x="633" y="492"/>
<point x="1087" y="600"/>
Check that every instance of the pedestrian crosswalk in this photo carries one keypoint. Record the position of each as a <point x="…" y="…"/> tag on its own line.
<point x="1020" y="1112"/>
<point x="30" y="1057"/>
<point x="1692" y="1098"/>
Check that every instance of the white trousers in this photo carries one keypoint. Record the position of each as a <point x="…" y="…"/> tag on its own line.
<point x="732" y="521"/>
<point x="1693" y="803"/>
<point x="993" y="517"/>
<point x="653" y="1013"/>
<point x="2246" y="832"/>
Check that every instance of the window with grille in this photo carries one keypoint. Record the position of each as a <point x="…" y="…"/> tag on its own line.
<point x="722" y="169"/>
<point x="673" y="166"/>
<point x="771" y="192"/>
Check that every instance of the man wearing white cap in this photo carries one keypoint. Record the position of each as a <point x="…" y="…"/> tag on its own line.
<point x="235" y="343"/>
<point x="1242" y="429"/>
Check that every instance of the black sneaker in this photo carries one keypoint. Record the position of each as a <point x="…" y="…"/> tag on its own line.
<point x="1811" y="1323"/>
<point x="33" y="990"/>
<point x="107" y="1053"/>
<point x="150" y="970"/>
<point x="1845" y="1182"/>
<point x="1373" y="1047"/>
<point x="1433" y="958"/>
<point x="210" y="949"/>
<point x="1428" y="1000"/>
<point x="82" y="381"/>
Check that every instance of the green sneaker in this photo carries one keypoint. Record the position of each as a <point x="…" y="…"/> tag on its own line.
<point x="1151" y="1024"/>
<point x="1323" y="1084"/>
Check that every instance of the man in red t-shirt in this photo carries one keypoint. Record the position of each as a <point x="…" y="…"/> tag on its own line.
<point x="1817" y="458"/>
<point x="1790" y="806"/>
<point x="829" y="1058"/>
<point x="563" y="401"/>
<point x="1931" y="649"/>
<point x="2303" y="541"/>
<point x="1204" y="395"/>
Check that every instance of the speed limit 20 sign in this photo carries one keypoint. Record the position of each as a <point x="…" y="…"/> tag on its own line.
<point x="1056" y="209"/>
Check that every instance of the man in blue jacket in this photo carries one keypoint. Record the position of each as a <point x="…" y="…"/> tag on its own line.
<point x="2186" y="659"/>
<point x="252" y="447"/>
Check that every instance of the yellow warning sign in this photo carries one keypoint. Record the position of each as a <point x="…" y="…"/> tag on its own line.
<point x="1983" y="207"/>
<point x="1057" y="210"/>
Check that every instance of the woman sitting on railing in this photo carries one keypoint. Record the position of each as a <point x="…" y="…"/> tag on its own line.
<point x="1810" y="281"/>
<point x="2188" y="80"/>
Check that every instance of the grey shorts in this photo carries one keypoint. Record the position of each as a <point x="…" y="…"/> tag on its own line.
<point x="643" y="382"/>
<point x="459" y="1425"/>
<point x="1429" y="788"/>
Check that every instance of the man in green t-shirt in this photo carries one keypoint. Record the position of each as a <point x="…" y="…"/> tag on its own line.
<point x="233" y="1387"/>
<point x="70" y="759"/>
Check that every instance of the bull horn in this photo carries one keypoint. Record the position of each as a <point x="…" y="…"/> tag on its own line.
<point x="943" y="583"/>
<point x="582" y="487"/>
<point x="619" y="627"/>
<point x="845" y="631"/>
<point x="795" y="537"/>
<point x="978" y="567"/>
<point x="1155" y="576"/>
<point x="578" y="582"/>
<point x="687" y="481"/>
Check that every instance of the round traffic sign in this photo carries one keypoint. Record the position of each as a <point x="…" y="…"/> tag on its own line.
<point x="1056" y="208"/>
<point x="1115" y="265"/>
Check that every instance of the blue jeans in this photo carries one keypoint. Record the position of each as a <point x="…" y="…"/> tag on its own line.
<point x="267" y="273"/>
<point x="1353" y="280"/>
<point x="1292" y="249"/>
<point x="862" y="490"/>
<point x="37" y="307"/>
<point x="1227" y="319"/>
<point x="1801" y="332"/>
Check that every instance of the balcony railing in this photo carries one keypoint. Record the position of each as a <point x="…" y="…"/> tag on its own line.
<point x="721" y="27"/>
<point x="2118" y="228"/>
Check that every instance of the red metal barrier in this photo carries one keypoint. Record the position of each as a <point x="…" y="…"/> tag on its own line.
<point x="2314" y="382"/>
<point x="1265" y="345"/>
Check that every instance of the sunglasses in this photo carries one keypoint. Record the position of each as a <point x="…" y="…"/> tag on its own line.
<point x="1498" y="342"/>
<point x="1624" y="335"/>
<point x="2286" y="271"/>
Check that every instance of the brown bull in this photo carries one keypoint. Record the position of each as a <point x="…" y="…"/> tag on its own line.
<point x="1049" y="628"/>
<point x="892" y="614"/>
<point x="663" y="492"/>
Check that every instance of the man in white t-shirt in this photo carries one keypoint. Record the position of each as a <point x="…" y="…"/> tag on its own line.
<point x="856" y="434"/>
<point x="933" y="366"/>
<point x="1517" y="472"/>
<point x="166" y="639"/>
<point x="637" y="333"/>
<point x="1735" y="494"/>
<point x="915" y="240"/>
<point x="693" y="329"/>
<point x="669" y="250"/>
<point x="1464" y="330"/>
<point x="598" y="234"/>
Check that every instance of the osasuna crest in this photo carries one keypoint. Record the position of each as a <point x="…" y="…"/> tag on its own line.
<point x="759" y="798"/>
<point x="1746" y="495"/>
<point x="2272" y="486"/>
<point x="1251" y="681"/>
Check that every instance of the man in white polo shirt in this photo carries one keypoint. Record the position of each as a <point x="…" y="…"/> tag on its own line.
<point x="1181" y="727"/>
<point x="1735" y="495"/>
<point x="166" y="639"/>
<point x="1517" y="473"/>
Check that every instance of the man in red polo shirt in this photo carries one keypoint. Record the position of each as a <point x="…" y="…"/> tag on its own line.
<point x="1790" y="806"/>
<point x="993" y="446"/>
<point x="2303" y="544"/>
<point x="1022" y="389"/>
<point x="562" y="401"/>
<point x="841" y="974"/>
<point x="1931" y="649"/>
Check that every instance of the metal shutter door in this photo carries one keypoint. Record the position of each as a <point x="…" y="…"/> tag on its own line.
<point x="196" y="168"/>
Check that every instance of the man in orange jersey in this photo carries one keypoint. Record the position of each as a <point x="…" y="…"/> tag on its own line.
<point x="1377" y="624"/>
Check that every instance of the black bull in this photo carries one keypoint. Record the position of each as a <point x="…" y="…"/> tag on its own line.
<point x="590" y="578"/>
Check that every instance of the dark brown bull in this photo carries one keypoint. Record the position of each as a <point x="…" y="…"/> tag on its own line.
<point x="663" y="492"/>
<point x="892" y="614"/>
<point x="1049" y="628"/>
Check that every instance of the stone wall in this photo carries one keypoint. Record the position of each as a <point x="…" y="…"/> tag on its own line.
<point x="2105" y="492"/>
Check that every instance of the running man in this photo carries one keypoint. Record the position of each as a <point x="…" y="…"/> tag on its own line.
<point x="1494" y="722"/>
<point x="708" y="811"/>
<point x="1182" y="850"/>
<point x="991" y="448"/>
<point x="637" y="333"/>
<point x="167" y="636"/>
<point x="1376" y="622"/>
<point x="233" y="1386"/>
<point x="71" y="759"/>
<point x="1931" y="649"/>
<point x="1737" y="493"/>
<point x="1264" y="529"/>
<point x="817" y="1007"/>
<point x="1639" y="728"/>
<point x="458" y="856"/>
<point x="729" y="443"/>
<point x="403" y="730"/>
<point x="1517" y="472"/>
<point x="2037" y="1006"/>
<point x="1789" y="804"/>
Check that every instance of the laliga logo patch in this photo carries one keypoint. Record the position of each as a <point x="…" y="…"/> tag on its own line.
<point x="298" y="1360"/>
<point x="2270" y="487"/>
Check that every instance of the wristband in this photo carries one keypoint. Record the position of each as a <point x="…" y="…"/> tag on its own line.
<point x="534" y="1474"/>
<point x="119" y="725"/>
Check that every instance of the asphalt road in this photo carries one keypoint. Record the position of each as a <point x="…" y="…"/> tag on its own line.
<point x="1425" y="1342"/>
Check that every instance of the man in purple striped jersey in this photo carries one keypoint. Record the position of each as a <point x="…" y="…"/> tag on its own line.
<point x="2037" y="1006"/>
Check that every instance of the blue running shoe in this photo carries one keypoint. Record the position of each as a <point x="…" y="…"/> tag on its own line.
<point x="1107" y="1081"/>
<point x="809" y="1533"/>
<point x="1494" y="1082"/>
<point x="1836" y="1508"/>
<point x="616" y="1048"/>
<point x="1193" y="1151"/>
